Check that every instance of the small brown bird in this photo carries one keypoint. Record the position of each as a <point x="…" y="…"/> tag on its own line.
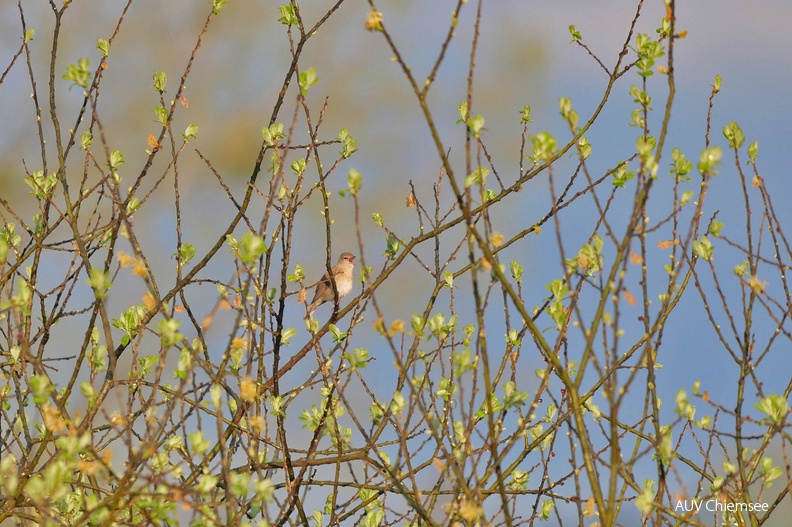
<point x="342" y="274"/>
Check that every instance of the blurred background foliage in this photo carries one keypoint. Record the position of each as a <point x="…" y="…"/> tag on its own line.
<point x="524" y="58"/>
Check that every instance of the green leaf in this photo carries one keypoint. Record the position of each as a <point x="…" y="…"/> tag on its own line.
<point x="40" y="386"/>
<point x="710" y="160"/>
<point x="589" y="258"/>
<point x="116" y="159"/>
<point x="573" y="119"/>
<point x="682" y="165"/>
<point x="354" y="181"/>
<point x="438" y="326"/>
<point x="547" y="508"/>
<point x="775" y="407"/>
<point x="734" y="135"/>
<point x="272" y="134"/>
<point x="565" y="106"/>
<point x="637" y="118"/>
<point x="169" y="332"/>
<point x="525" y="115"/>
<point x="703" y="248"/>
<point x="516" y="270"/>
<point x="468" y="331"/>
<point x="298" y="166"/>
<point x="575" y="34"/>
<point x="741" y="269"/>
<point x="103" y="46"/>
<point x="365" y="272"/>
<point x="646" y="498"/>
<point x="397" y="403"/>
<point x="42" y="186"/>
<point x="446" y="388"/>
<point x="86" y="139"/>
<point x="217" y="5"/>
<point x="476" y="125"/>
<point x="769" y="471"/>
<point x="130" y="320"/>
<point x="190" y="131"/>
<point x="665" y="28"/>
<point x="463" y="112"/>
<point x="277" y="403"/>
<point x="753" y="149"/>
<point x="350" y="145"/>
<point x="298" y="274"/>
<point x="513" y="397"/>
<point x="162" y="115"/>
<point x="307" y="79"/>
<point x="645" y="145"/>
<point x="160" y="80"/>
<point x="146" y="364"/>
<point x="393" y="245"/>
<point x="99" y="282"/>
<point x="337" y="334"/>
<point x="501" y="267"/>
<point x="478" y="176"/>
<point x="29" y="35"/>
<point x="544" y="145"/>
<point x="463" y="361"/>
<point x="376" y="412"/>
<point x="78" y="73"/>
<point x="287" y="15"/>
<point x="715" y="227"/>
<point x="275" y="162"/>
<point x="519" y="479"/>
<point x="483" y="410"/>
<point x="558" y="288"/>
<point x="584" y="148"/>
<point x="185" y="365"/>
<point x="357" y="359"/>
<point x="132" y="206"/>
<point x="187" y="252"/>
<point x="648" y="51"/>
<point x="622" y="176"/>
<point x="198" y="444"/>
<point x="377" y="218"/>
<point x="287" y="334"/>
<point x="641" y="97"/>
<point x="88" y="391"/>
<point x="683" y="405"/>
<point x="250" y="247"/>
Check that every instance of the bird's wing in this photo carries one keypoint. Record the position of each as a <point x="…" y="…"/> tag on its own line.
<point x="326" y="278"/>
